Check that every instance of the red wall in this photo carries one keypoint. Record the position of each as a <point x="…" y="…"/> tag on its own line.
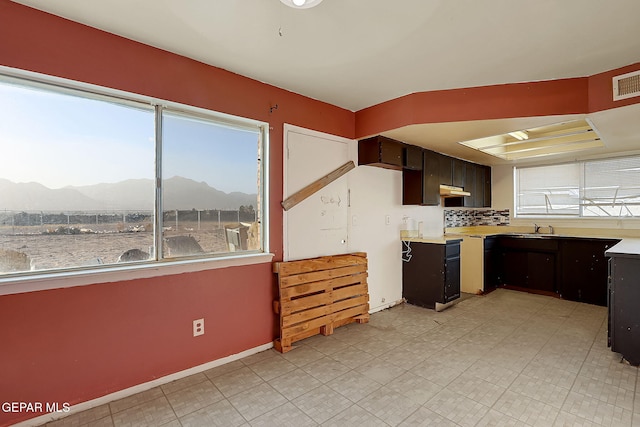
<point x="76" y="344"/>
<point x="554" y="97"/>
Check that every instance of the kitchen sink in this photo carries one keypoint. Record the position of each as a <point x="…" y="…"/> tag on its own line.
<point x="532" y="235"/>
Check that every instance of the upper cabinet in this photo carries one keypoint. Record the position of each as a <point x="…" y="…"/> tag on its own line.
<point x="458" y="172"/>
<point x="423" y="171"/>
<point x="382" y="152"/>
<point x="444" y="169"/>
<point x="412" y="158"/>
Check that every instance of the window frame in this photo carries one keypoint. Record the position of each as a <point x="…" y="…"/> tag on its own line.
<point x="157" y="266"/>
<point x="581" y="190"/>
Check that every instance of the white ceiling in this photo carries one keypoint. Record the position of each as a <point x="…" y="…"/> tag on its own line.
<point x="357" y="53"/>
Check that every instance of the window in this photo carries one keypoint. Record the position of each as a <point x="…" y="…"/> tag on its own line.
<point x="594" y="188"/>
<point x="92" y="180"/>
<point x="548" y="190"/>
<point x="612" y="187"/>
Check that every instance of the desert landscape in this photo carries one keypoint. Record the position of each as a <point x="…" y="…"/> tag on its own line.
<point x="58" y="246"/>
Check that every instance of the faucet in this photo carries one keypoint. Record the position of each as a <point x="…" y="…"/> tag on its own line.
<point x="550" y="229"/>
<point x="536" y="228"/>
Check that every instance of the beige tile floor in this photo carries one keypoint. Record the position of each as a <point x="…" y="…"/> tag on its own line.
<point x="505" y="359"/>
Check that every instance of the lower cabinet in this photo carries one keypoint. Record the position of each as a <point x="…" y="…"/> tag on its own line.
<point x="574" y="268"/>
<point x="624" y="316"/>
<point x="584" y="270"/>
<point x="529" y="263"/>
<point x="490" y="263"/>
<point x="430" y="272"/>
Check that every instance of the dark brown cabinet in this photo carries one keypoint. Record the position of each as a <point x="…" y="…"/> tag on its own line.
<point x="430" y="272"/>
<point x="624" y="316"/>
<point x="444" y="169"/>
<point x="584" y="269"/>
<point x="422" y="187"/>
<point x="477" y="181"/>
<point x="381" y="151"/>
<point x="486" y="190"/>
<point x="490" y="263"/>
<point x="470" y="185"/>
<point x="423" y="171"/>
<point x="458" y="172"/>
<point x="529" y="263"/>
<point x="573" y="267"/>
<point x="412" y="158"/>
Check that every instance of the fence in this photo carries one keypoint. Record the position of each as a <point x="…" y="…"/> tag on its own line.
<point x="170" y="217"/>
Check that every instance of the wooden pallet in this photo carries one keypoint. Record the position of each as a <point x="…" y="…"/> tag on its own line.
<point x="320" y="294"/>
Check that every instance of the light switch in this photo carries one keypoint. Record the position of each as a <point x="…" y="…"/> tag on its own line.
<point x="354" y="220"/>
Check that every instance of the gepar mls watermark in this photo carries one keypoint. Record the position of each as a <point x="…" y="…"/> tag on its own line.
<point x="34" y="407"/>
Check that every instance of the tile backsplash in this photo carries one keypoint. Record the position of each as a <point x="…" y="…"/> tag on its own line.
<point x="473" y="217"/>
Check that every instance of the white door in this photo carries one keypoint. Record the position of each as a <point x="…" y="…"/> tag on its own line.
<point x="318" y="225"/>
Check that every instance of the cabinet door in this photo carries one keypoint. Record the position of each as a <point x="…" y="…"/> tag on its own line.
<point x="625" y="316"/>
<point x="487" y="187"/>
<point x="479" y="187"/>
<point x="431" y="177"/>
<point x="381" y="151"/>
<point x="412" y="182"/>
<point x="470" y="184"/>
<point x="541" y="271"/>
<point x="490" y="263"/>
<point x="390" y="152"/>
<point x="422" y="273"/>
<point x="452" y="279"/>
<point x="445" y="167"/>
<point x="412" y="157"/>
<point x="459" y="172"/>
<point x="584" y="270"/>
<point x="514" y="268"/>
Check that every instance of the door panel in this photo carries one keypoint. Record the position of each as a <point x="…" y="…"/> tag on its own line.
<point x="317" y="226"/>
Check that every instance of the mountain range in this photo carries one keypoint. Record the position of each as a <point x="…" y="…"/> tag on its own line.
<point x="131" y="195"/>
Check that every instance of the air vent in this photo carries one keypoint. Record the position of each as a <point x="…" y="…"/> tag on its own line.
<point x="626" y="86"/>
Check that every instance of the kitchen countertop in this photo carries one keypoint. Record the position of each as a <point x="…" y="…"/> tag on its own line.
<point x="626" y="248"/>
<point x="441" y="240"/>
<point x="484" y="231"/>
<point x="629" y="244"/>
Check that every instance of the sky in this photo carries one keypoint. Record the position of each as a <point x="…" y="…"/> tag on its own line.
<point x="59" y="140"/>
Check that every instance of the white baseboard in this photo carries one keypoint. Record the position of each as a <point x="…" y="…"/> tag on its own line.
<point x="385" y="306"/>
<point x="140" y="387"/>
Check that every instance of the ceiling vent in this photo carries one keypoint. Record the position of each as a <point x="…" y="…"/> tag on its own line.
<point x="626" y="85"/>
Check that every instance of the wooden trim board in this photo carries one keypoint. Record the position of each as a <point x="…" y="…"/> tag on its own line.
<point x="316" y="185"/>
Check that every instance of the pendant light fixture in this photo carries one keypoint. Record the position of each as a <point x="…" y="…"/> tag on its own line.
<point x="301" y="4"/>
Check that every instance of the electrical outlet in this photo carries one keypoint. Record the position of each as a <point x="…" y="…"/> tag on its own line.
<point x="387" y="219"/>
<point x="198" y="327"/>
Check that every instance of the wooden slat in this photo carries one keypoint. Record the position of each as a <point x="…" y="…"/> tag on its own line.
<point x="285" y="282"/>
<point x="318" y="264"/>
<point x="350" y="312"/>
<point x="304" y="289"/>
<point x="302" y="327"/>
<point x="289" y="307"/>
<point x="326" y="285"/>
<point x="349" y="291"/>
<point x="316" y="185"/>
<point x="305" y="316"/>
<point x="350" y="302"/>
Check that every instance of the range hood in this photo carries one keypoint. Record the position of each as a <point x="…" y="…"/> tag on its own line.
<point x="451" y="191"/>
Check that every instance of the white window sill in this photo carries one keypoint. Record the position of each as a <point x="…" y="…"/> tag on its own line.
<point x="40" y="282"/>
